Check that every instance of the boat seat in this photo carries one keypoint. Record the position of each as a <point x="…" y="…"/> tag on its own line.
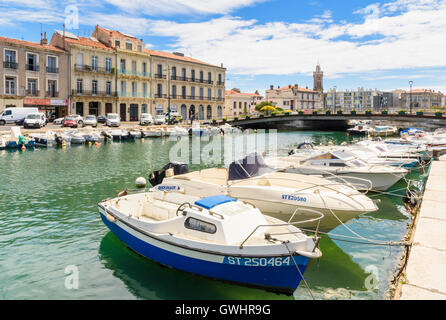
<point x="159" y="210"/>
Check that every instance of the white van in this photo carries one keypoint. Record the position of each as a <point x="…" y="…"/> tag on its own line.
<point x="34" y="120"/>
<point x="11" y="115"/>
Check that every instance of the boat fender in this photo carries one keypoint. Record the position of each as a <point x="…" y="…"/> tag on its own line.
<point x="412" y="197"/>
<point x="140" y="182"/>
<point x="305" y="145"/>
<point x="110" y="218"/>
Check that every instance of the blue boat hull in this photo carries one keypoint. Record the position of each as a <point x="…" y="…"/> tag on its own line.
<point x="15" y="145"/>
<point x="281" y="279"/>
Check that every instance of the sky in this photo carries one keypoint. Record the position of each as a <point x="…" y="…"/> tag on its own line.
<point x="358" y="43"/>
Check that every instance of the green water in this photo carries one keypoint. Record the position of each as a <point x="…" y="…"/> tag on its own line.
<point x="49" y="220"/>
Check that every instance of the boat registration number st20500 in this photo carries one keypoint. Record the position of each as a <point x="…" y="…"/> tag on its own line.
<point x="293" y="198"/>
<point x="258" y="262"/>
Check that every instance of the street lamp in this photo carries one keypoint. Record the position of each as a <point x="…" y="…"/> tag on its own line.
<point x="334" y="104"/>
<point x="410" y="94"/>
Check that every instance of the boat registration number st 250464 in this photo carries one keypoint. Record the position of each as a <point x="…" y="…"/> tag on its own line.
<point x="258" y="262"/>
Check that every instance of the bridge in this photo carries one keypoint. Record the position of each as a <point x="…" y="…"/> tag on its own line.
<point x="324" y="121"/>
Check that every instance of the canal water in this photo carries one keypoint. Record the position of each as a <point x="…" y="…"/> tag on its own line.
<point x="49" y="222"/>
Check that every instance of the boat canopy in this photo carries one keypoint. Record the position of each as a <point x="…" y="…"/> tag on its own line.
<point x="252" y="166"/>
<point x="210" y="202"/>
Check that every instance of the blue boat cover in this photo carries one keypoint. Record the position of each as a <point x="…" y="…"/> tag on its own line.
<point x="210" y="202"/>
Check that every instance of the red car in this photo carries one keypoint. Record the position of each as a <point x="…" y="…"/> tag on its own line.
<point x="70" y="121"/>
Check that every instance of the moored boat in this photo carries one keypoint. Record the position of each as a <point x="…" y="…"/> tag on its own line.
<point x="216" y="237"/>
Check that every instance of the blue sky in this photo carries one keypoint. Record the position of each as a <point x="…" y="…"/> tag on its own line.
<point x="359" y="43"/>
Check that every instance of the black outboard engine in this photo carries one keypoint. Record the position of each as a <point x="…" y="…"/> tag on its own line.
<point x="157" y="177"/>
<point x="59" y="139"/>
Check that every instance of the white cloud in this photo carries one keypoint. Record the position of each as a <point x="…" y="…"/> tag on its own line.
<point x="175" y="7"/>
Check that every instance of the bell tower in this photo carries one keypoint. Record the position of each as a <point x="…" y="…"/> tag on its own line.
<point x="318" y="77"/>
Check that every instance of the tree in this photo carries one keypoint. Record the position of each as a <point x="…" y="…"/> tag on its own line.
<point x="264" y="104"/>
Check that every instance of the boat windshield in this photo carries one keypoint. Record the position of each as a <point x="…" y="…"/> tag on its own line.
<point x="252" y="166"/>
<point x="343" y="154"/>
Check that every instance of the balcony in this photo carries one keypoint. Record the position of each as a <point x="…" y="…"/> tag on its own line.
<point x="134" y="73"/>
<point x="133" y="95"/>
<point x="160" y="76"/>
<point x="91" y="93"/>
<point x="52" y="94"/>
<point x="220" y="83"/>
<point x="52" y="70"/>
<point x="32" y="93"/>
<point x="10" y="65"/>
<point x="87" y="68"/>
<point x="32" y="67"/>
<point x="160" y="96"/>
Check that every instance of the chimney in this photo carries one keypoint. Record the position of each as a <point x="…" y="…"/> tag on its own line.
<point x="43" y="39"/>
<point x="296" y="85"/>
<point x="271" y="87"/>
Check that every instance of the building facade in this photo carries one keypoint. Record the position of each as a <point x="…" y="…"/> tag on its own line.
<point x="34" y="75"/>
<point x="422" y="99"/>
<point x="240" y="103"/>
<point x="359" y="100"/>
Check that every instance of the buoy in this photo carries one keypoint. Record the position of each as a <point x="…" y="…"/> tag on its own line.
<point x="141" y="182"/>
<point x="23" y="147"/>
<point x="89" y="143"/>
<point x="96" y="144"/>
<point x="142" y="139"/>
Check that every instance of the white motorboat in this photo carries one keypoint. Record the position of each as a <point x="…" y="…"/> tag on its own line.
<point x="47" y="139"/>
<point x="134" y="134"/>
<point x="151" y="133"/>
<point x="383" y="131"/>
<point x="277" y="194"/>
<point x="216" y="237"/>
<point x="343" y="167"/>
<point x="77" y="137"/>
<point x="359" y="130"/>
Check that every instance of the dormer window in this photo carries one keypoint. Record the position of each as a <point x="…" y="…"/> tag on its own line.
<point x="128" y="45"/>
<point x="117" y="43"/>
<point x="139" y="47"/>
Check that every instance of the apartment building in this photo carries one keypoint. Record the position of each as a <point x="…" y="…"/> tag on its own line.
<point x="294" y="98"/>
<point x="192" y="88"/>
<point x="239" y="103"/>
<point x="422" y="99"/>
<point x="360" y="99"/>
<point x="34" y="75"/>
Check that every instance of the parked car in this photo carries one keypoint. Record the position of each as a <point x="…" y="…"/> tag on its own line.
<point x="80" y="120"/>
<point x="102" y="119"/>
<point x="58" y="121"/>
<point x="70" y="121"/>
<point x="146" y="119"/>
<point x="160" y="119"/>
<point x="113" y="120"/>
<point x="91" y="120"/>
<point x="20" y="122"/>
<point x="35" y="120"/>
<point x="11" y="115"/>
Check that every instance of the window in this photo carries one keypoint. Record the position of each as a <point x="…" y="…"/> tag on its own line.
<point x="209" y="77"/>
<point x="201" y="76"/>
<point x="144" y="108"/>
<point x="134" y="89"/>
<point x="219" y="93"/>
<point x="174" y="73"/>
<point x="123" y="88"/>
<point x="10" y="59"/>
<point x="117" y="43"/>
<point x="52" y="65"/>
<point x="159" y="90"/>
<point x="201" y="93"/>
<point x="32" y="87"/>
<point x="144" y="68"/>
<point x="219" y="79"/>
<point x="108" y="88"/>
<point x="31" y="62"/>
<point x="209" y="93"/>
<point x="122" y="66"/>
<point x="108" y="65"/>
<point x="94" y="63"/>
<point x="94" y="87"/>
<point x="183" y="74"/>
<point x="159" y="71"/>
<point x="192" y="75"/>
<point x="199" y="225"/>
<point x="128" y="45"/>
<point x="139" y="47"/>
<point x="174" y="91"/>
<point x="144" y="89"/>
<point x="134" y="67"/>
<point x="52" y="88"/>
<point x="183" y="92"/>
<point x="192" y="92"/>
<point x="80" y="86"/>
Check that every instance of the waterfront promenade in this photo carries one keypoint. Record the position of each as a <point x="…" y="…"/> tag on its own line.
<point x="425" y="276"/>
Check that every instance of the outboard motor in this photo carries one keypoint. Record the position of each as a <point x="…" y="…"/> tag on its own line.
<point x="59" y="139"/>
<point x="291" y="152"/>
<point x="157" y="177"/>
<point x="305" y="145"/>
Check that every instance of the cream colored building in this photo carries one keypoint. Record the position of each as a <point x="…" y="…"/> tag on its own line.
<point x="92" y="74"/>
<point x="33" y="75"/>
<point x="422" y="99"/>
<point x="240" y="103"/>
<point x="193" y="88"/>
<point x="295" y="98"/>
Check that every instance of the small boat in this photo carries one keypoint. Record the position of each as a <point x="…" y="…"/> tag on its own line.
<point x="46" y="140"/>
<point x="343" y="167"/>
<point x="278" y="194"/>
<point x="359" y="130"/>
<point x="77" y="137"/>
<point x="92" y="137"/>
<point x="216" y="237"/>
<point x="118" y="134"/>
<point x="383" y="131"/>
<point x="151" y="133"/>
<point x="2" y="143"/>
<point x="134" y="134"/>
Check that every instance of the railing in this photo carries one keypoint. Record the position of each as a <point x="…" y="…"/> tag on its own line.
<point x="160" y="76"/>
<point x="160" y="96"/>
<point x="94" y="93"/>
<point x="10" y="65"/>
<point x="32" y="67"/>
<point x="134" y="73"/>
<point x="52" y="94"/>
<point x="220" y="83"/>
<point x="52" y="70"/>
<point x="133" y="95"/>
<point x="88" y="68"/>
<point x="33" y="93"/>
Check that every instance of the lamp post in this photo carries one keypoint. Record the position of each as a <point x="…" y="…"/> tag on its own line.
<point x="334" y="104"/>
<point x="168" y="93"/>
<point x="410" y="94"/>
